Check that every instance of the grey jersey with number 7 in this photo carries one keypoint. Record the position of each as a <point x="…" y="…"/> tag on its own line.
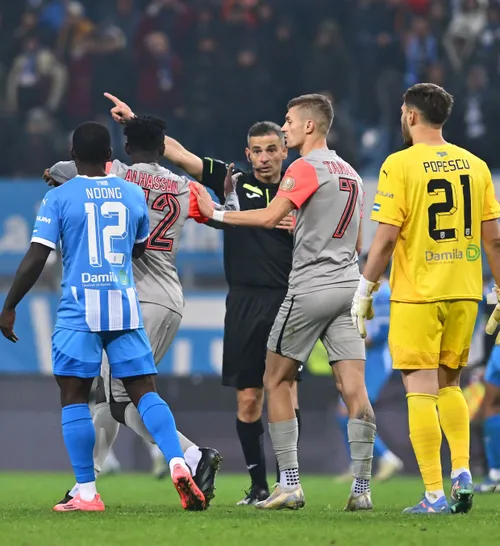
<point x="328" y="194"/>
<point x="171" y="202"/>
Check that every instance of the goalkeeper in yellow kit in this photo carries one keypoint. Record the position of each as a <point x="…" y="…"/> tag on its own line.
<point x="435" y="203"/>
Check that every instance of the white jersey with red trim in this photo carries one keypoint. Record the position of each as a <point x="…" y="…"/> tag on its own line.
<point x="328" y="194"/>
<point x="170" y="202"/>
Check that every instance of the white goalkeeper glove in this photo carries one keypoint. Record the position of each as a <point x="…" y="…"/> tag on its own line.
<point x="494" y="320"/>
<point x="361" y="308"/>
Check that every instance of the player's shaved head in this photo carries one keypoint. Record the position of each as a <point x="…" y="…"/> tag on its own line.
<point x="433" y="102"/>
<point x="145" y="134"/>
<point x="91" y="143"/>
<point x="318" y="107"/>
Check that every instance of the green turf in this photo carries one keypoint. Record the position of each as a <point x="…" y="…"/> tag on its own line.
<point x="144" y="512"/>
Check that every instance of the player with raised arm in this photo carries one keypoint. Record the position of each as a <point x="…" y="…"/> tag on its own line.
<point x="101" y="222"/>
<point x="257" y="264"/>
<point x="327" y="195"/>
<point x="171" y="202"/>
<point x="435" y="202"/>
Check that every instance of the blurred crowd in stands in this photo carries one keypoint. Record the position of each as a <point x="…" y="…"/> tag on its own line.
<point x="213" y="67"/>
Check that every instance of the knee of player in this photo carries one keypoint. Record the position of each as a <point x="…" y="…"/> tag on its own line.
<point x="351" y="391"/>
<point x="272" y="379"/>
<point x="250" y="404"/>
<point x="138" y="386"/>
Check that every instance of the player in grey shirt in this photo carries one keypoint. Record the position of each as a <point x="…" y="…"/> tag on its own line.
<point x="327" y="195"/>
<point x="171" y="201"/>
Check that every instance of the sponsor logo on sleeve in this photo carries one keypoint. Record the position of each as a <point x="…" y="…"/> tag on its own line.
<point x="287" y="184"/>
<point x="385" y="194"/>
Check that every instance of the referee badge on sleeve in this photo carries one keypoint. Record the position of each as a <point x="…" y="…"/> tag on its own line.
<point x="287" y="184"/>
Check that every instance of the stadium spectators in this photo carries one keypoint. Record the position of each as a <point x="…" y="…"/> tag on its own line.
<point x="210" y="63"/>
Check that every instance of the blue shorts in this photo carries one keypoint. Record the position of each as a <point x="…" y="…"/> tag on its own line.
<point x="79" y="354"/>
<point x="492" y="373"/>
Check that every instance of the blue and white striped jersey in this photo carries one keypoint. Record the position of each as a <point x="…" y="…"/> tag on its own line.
<point x="97" y="221"/>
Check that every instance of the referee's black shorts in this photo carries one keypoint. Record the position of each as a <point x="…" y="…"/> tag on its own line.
<point x="249" y="318"/>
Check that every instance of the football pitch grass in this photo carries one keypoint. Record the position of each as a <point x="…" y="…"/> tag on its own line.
<point x="143" y="512"/>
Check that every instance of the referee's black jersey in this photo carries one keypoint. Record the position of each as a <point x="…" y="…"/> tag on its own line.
<point x="253" y="257"/>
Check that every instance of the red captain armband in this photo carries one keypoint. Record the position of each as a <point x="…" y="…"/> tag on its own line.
<point x="194" y="209"/>
<point x="108" y="166"/>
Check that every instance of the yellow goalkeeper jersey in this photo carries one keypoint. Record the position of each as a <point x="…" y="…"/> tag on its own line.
<point x="438" y="196"/>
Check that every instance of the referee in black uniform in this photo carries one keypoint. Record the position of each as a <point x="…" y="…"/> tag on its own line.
<point x="257" y="263"/>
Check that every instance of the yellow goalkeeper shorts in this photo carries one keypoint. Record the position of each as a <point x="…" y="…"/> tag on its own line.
<point x="427" y="335"/>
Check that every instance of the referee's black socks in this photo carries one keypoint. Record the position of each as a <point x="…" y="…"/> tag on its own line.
<point x="251" y="437"/>
<point x="297" y="415"/>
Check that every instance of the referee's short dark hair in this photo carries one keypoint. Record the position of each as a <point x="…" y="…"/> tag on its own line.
<point x="263" y="128"/>
<point x="92" y="142"/>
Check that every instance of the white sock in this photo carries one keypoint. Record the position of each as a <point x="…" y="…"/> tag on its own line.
<point x="360" y="486"/>
<point x="456" y="473"/>
<point x="494" y="474"/>
<point x="154" y="451"/>
<point x="111" y="460"/>
<point x="390" y="457"/>
<point x="106" y="430"/>
<point x="192" y="456"/>
<point x="175" y="461"/>
<point x="87" y="491"/>
<point x="74" y="491"/>
<point x="186" y="443"/>
<point x="289" y="478"/>
<point x="433" y="496"/>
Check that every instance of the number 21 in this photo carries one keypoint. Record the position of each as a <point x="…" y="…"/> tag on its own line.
<point x="449" y="207"/>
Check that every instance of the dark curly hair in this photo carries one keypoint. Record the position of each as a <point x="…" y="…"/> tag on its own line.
<point x="145" y="133"/>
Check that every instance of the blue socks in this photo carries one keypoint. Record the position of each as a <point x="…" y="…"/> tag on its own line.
<point x="159" y="421"/>
<point x="79" y="438"/>
<point x="491" y="434"/>
<point x="379" y="448"/>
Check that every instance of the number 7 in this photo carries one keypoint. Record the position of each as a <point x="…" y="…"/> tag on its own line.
<point x="351" y="186"/>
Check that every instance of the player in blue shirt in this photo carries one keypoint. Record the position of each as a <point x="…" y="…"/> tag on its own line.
<point x="378" y="370"/>
<point x="491" y="410"/>
<point x="101" y="222"/>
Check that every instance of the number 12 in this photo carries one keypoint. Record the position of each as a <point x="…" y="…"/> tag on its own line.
<point x="449" y="207"/>
<point x="109" y="209"/>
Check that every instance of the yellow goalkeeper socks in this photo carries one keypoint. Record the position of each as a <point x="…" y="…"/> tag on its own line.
<point x="425" y="436"/>
<point x="454" y="418"/>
